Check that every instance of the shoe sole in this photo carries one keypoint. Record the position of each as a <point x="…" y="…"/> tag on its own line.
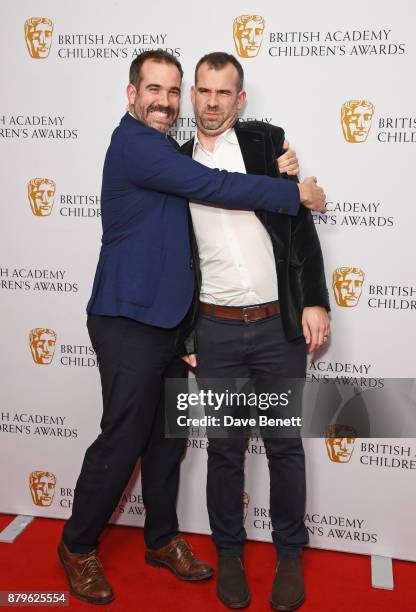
<point x="295" y="605"/>
<point x="235" y="606"/>
<point x="97" y="602"/>
<point x="164" y="565"/>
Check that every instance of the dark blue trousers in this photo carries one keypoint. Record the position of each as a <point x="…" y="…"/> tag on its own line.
<point x="234" y="349"/>
<point x="134" y="361"/>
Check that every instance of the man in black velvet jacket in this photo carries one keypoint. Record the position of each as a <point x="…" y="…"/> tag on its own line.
<point x="263" y="303"/>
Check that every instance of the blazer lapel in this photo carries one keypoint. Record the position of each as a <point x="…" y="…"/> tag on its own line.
<point x="253" y="150"/>
<point x="188" y="147"/>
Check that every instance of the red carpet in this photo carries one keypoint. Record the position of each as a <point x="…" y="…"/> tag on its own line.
<point x="334" y="581"/>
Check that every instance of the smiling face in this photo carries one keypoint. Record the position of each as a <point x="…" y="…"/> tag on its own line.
<point x="156" y="99"/>
<point x="216" y="98"/>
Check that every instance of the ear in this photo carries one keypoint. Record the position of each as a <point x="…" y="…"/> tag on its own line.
<point x="131" y="93"/>
<point x="193" y="94"/>
<point x="241" y="99"/>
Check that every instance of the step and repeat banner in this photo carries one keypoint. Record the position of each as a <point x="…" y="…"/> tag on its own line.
<point x="341" y="84"/>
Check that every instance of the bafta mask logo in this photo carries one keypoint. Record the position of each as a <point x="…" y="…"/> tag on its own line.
<point x="42" y="487"/>
<point x="38" y="34"/>
<point x="246" y="501"/>
<point x="339" y="442"/>
<point x="248" y="34"/>
<point x="42" y="345"/>
<point x="347" y="284"/>
<point x="41" y="192"/>
<point x="356" y="116"/>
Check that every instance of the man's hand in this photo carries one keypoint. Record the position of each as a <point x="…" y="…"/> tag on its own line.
<point x="315" y="323"/>
<point x="311" y="195"/>
<point x="190" y="360"/>
<point x="288" y="162"/>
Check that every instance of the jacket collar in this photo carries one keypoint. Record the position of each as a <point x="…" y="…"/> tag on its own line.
<point x="252" y="148"/>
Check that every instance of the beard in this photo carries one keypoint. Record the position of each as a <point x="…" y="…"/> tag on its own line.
<point x="158" y="117"/>
<point x="216" y="125"/>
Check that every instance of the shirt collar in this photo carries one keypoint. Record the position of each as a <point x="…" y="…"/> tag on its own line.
<point x="227" y="136"/>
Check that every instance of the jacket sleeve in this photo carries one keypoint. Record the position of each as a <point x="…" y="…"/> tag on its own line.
<point x="152" y="162"/>
<point x="305" y="252"/>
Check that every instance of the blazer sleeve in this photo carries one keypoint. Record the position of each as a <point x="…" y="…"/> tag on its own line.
<point x="305" y="252"/>
<point x="152" y="162"/>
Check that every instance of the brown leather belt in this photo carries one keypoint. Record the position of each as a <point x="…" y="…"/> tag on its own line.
<point x="246" y="313"/>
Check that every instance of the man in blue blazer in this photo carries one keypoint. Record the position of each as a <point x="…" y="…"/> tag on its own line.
<point x="142" y="292"/>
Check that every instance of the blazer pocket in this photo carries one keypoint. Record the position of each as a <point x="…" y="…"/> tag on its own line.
<point x="139" y="272"/>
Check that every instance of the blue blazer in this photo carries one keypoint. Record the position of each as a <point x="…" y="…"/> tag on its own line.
<point x="144" y="270"/>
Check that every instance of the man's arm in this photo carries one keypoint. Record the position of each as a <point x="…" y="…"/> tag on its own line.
<point x="152" y="162"/>
<point x="307" y="256"/>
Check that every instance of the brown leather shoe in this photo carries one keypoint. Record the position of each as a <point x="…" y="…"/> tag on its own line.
<point x="232" y="587"/>
<point x="179" y="558"/>
<point x="288" y="591"/>
<point x="85" y="576"/>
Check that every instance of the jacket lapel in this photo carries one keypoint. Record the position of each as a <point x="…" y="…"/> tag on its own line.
<point x="188" y="147"/>
<point x="253" y="149"/>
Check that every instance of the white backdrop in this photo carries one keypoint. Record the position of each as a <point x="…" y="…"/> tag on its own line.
<point x="57" y="114"/>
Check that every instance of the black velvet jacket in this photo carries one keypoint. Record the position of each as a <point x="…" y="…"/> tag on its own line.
<point x="298" y="255"/>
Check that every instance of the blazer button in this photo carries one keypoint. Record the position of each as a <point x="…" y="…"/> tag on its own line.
<point x="191" y="263"/>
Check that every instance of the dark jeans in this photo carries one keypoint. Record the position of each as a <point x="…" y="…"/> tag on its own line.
<point x="133" y="359"/>
<point x="248" y="350"/>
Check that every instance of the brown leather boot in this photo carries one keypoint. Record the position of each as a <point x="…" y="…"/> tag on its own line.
<point x="179" y="558"/>
<point x="232" y="587"/>
<point x="288" y="589"/>
<point x="85" y="576"/>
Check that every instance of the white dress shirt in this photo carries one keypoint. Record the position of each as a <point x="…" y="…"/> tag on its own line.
<point x="236" y="253"/>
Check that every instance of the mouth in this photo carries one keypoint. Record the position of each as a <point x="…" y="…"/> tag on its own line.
<point x="161" y="115"/>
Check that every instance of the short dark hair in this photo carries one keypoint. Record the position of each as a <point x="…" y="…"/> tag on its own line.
<point x="159" y="55"/>
<point x="218" y="60"/>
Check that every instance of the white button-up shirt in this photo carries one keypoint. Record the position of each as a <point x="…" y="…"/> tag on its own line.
<point x="236" y="253"/>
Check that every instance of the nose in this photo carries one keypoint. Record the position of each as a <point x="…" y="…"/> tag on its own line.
<point x="350" y="289"/>
<point x="212" y="102"/>
<point x="252" y="36"/>
<point x="343" y="444"/>
<point x="360" y="122"/>
<point x="163" y="98"/>
<point x="44" y="198"/>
